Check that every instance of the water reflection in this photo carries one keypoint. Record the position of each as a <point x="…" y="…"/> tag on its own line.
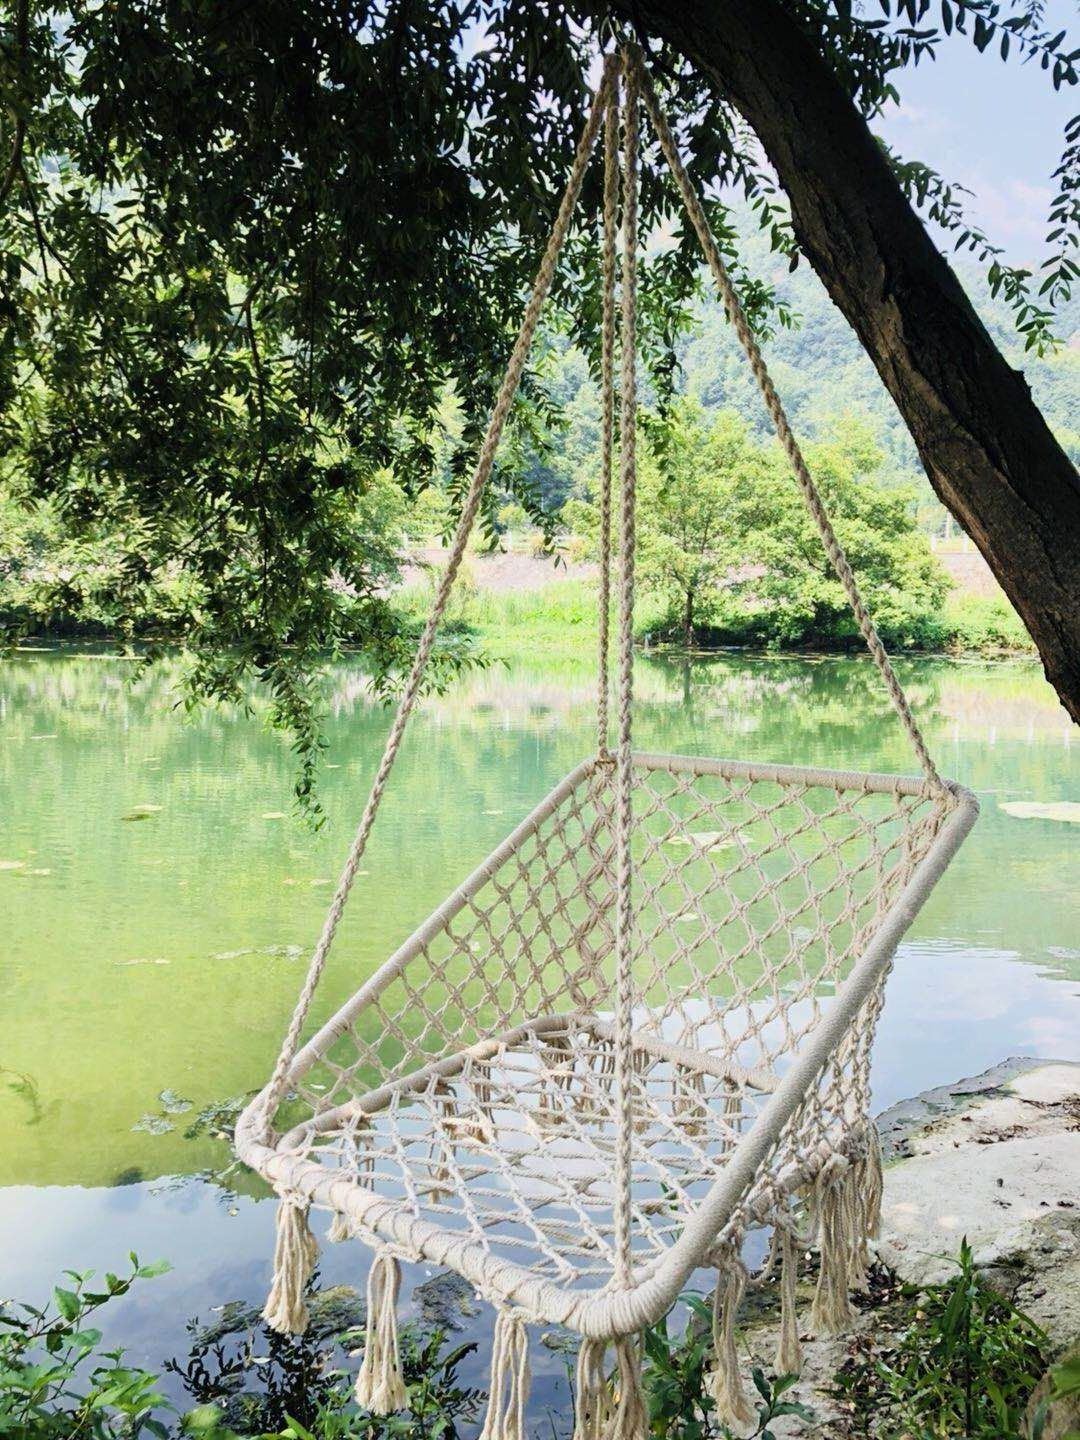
<point x="164" y="955"/>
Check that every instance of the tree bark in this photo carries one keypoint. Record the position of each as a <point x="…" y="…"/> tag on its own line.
<point x="988" y="452"/>
<point x="688" y="621"/>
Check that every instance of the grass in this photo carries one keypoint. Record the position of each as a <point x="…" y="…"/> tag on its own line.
<point x="983" y="624"/>
<point x="561" y="616"/>
<point x="961" y="1361"/>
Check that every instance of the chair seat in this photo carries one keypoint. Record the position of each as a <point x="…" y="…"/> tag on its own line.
<point x="511" y="1144"/>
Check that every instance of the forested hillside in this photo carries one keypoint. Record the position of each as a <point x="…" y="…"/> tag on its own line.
<point x="822" y="374"/>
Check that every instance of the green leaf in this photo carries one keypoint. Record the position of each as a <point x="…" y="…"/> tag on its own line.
<point x="157" y="1267"/>
<point x="67" y="1303"/>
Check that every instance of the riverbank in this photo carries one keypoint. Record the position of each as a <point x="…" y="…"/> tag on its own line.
<point x="981" y="1172"/>
<point x="515" y="602"/>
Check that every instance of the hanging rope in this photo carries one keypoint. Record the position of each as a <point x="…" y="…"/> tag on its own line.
<point x="737" y="315"/>
<point x="715" y="1100"/>
<point x="607" y="401"/>
<point x="624" y="780"/>
<point x="470" y="510"/>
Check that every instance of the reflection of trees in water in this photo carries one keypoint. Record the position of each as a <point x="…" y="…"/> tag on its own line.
<point x="777" y="701"/>
<point x="783" y="693"/>
<point x="260" y="1380"/>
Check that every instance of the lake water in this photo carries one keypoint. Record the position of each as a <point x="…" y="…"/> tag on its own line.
<point x="159" y="903"/>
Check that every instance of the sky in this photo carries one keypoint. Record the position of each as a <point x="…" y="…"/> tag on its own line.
<point x="995" y="128"/>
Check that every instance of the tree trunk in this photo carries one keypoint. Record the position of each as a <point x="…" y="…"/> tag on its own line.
<point x="988" y="452"/>
<point x="688" y="621"/>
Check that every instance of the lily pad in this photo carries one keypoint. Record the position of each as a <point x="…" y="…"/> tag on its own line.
<point x="175" y="1104"/>
<point x="153" y="1125"/>
<point x="1067" y="811"/>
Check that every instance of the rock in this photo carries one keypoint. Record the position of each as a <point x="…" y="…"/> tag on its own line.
<point x="995" y="1159"/>
<point x="446" y="1301"/>
<point x="1061" y="1418"/>
<point x="234" y="1318"/>
<point x="335" y="1310"/>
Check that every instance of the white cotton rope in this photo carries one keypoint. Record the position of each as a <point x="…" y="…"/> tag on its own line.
<point x="789" y="1356"/>
<point x="831" y="1312"/>
<point x="725" y="1378"/>
<point x="510" y="1379"/>
<point x="607" y="403"/>
<point x="593" y="1405"/>
<point x="380" y="1384"/>
<point x="523" y="1054"/>
<point x="748" y="340"/>
<point x="624" y="772"/>
<point x="630" y="1415"/>
<point x="295" y="1253"/>
<point x="470" y="510"/>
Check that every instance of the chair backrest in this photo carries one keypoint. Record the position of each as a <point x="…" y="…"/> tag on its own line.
<point x="756" y="887"/>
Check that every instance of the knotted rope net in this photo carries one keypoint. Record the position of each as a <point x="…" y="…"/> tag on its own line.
<point x="643" y="1025"/>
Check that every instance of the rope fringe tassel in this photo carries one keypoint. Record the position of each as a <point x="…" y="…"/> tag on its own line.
<point x="834" y="1196"/>
<point x="295" y="1253"/>
<point x="789" y="1357"/>
<point x="867" y="1184"/>
<point x="510" y="1379"/>
<point x="725" y="1379"/>
<point x="340" y="1229"/>
<point x="380" y="1385"/>
<point x="603" y="1411"/>
<point x="593" y="1409"/>
<point x="630" y="1420"/>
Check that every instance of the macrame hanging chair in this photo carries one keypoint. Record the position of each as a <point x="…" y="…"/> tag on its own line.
<point x="643" y="1025"/>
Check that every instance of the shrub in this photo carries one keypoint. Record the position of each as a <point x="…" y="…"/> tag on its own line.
<point x="57" y="1381"/>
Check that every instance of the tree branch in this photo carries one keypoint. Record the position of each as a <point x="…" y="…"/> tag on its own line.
<point x="988" y="452"/>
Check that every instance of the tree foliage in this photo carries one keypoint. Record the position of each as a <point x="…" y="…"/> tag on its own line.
<point x="247" y="251"/>
<point x="726" y="542"/>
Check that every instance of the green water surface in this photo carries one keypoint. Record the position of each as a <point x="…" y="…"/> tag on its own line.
<point x="159" y="900"/>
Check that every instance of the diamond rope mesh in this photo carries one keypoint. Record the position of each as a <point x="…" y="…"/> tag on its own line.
<point x="474" y="1087"/>
<point x="645" y="1021"/>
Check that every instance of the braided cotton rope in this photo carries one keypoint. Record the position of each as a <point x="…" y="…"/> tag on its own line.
<point x="624" y="783"/>
<point x="701" y="1101"/>
<point x="737" y="316"/>
<point x="607" y="401"/>
<point x="485" y="461"/>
